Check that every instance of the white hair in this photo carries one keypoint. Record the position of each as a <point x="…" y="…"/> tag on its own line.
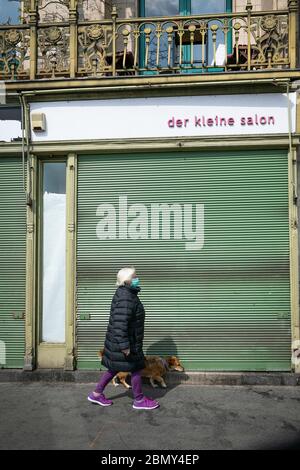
<point x="124" y="275"/>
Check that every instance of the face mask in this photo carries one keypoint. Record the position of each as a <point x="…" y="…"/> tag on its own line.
<point x="135" y="282"/>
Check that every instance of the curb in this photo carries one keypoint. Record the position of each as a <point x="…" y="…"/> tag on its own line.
<point x="172" y="378"/>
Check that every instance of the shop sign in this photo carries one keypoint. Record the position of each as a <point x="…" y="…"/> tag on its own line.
<point x="165" y="117"/>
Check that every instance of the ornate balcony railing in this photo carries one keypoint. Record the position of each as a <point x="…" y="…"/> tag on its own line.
<point x="71" y="48"/>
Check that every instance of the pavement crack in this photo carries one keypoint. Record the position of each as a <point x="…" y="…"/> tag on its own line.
<point x="92" y="444"/>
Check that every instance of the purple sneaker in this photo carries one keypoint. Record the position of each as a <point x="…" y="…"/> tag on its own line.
<point x="145" y="404"/>
<point x="100" y="400"/>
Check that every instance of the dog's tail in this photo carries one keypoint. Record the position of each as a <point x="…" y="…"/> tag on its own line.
<point x="101" y="353"/>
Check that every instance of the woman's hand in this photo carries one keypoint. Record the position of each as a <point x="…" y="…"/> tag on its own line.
<point x="126" y="351"/>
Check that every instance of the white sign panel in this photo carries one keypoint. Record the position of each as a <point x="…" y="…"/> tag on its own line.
<point x="215" y="115"/>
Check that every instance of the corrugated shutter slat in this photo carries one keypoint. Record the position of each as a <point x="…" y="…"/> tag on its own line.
<point x="12" y="260"/>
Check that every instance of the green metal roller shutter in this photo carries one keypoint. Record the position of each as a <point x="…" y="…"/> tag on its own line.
<point x="12" y="261"/>
<point x="224" y="307"/>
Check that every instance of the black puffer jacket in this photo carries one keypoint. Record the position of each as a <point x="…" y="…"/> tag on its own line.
<point x="125" y="331"/>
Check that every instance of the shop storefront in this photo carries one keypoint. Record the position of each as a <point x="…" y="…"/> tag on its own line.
<point x="215" y="266"/>
<point x="197" y="192"/>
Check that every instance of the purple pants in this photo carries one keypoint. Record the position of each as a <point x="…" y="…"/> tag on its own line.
<point x="136" y="382"/>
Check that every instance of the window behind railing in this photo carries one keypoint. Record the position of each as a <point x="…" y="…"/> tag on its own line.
<point x="57" y="10"/>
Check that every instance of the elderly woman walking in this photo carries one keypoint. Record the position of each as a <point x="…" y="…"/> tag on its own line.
<point x="123" y="347"/>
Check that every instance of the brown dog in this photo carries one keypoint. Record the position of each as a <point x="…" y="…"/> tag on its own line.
<point x="155" y="370"/>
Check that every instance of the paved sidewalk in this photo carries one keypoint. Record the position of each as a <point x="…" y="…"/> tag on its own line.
<point x="58" y="416"/>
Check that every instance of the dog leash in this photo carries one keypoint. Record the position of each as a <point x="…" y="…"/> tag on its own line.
<point x="164" y="362"/>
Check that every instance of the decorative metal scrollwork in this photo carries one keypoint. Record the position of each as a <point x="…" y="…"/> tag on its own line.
<point x="95" y="49"/>
<point x="270" y="34"/>
<point x="53" y="51"/>
<point x="64" y="43"/>
<point x="14" y="54"/>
